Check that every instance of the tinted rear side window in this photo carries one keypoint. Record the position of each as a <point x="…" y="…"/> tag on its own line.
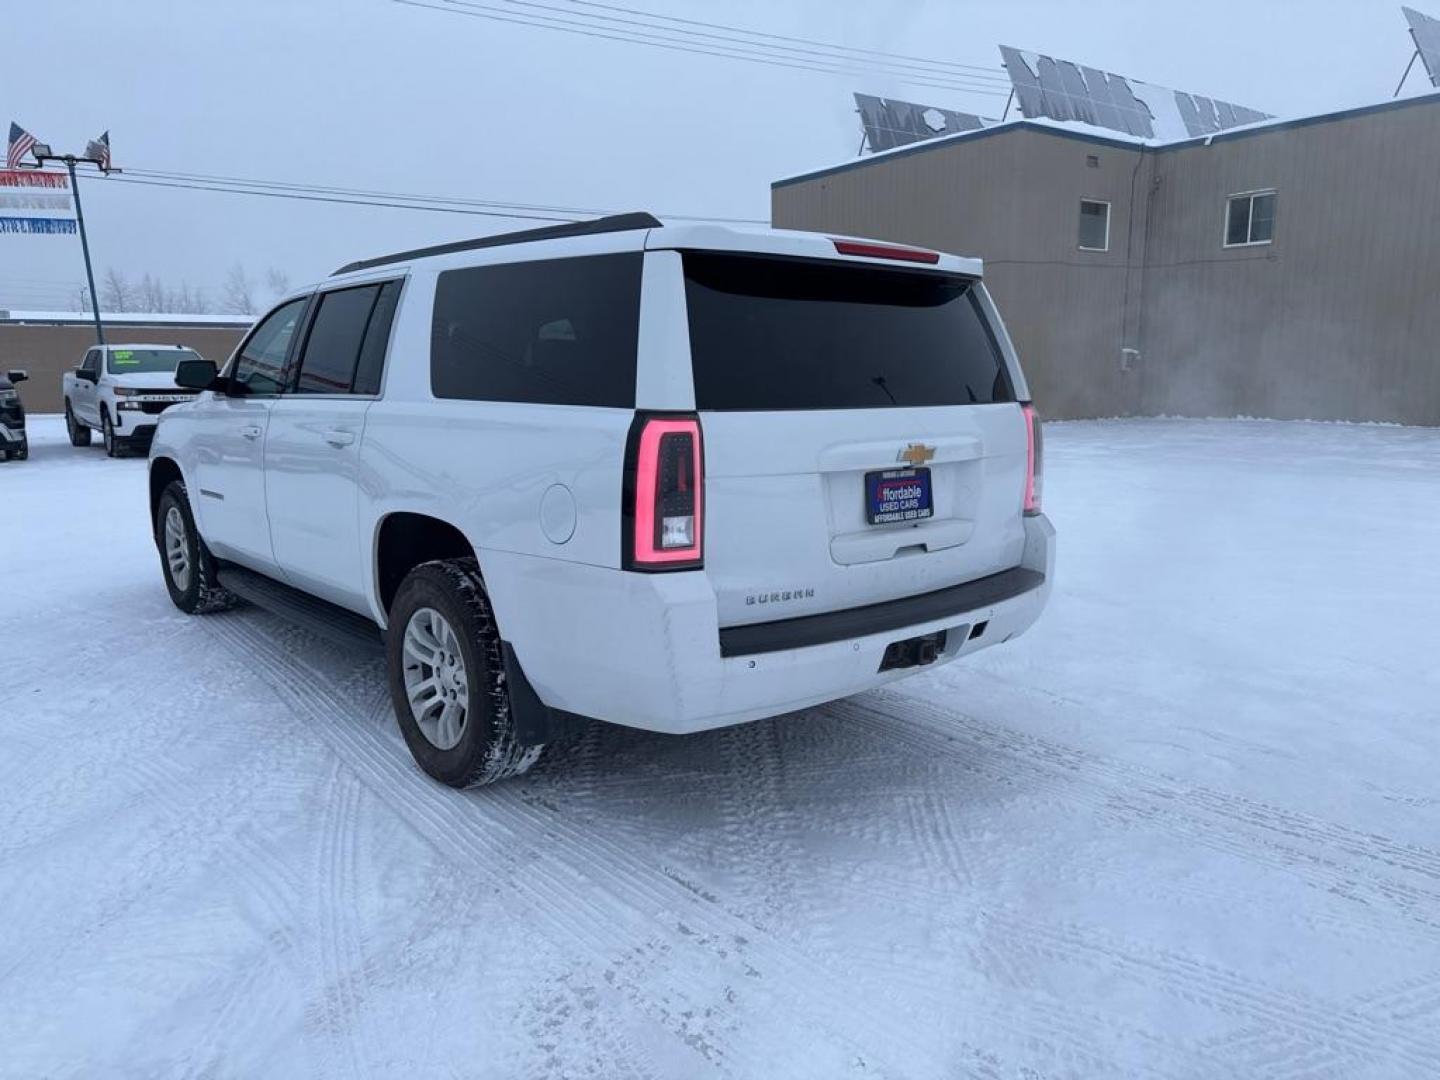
<point x="560" y="332"/>
<point x="377" y="338"/>
<point x="333" y="345"/>
<point x="771" y="333"/>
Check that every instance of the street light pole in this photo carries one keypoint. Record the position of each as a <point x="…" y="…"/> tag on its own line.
<point x="85" y="247"/>
<point x="41" y="153"/>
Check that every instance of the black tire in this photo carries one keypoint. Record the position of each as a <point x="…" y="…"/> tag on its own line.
<point x="23" y="454"/>
<point x="487" y="750"/>
<point x="202" y="592"/>
<point x="107" y="434"/>
<point x="78" y="432"/>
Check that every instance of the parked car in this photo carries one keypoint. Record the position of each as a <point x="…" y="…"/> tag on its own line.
<point x="122" y="390"/>
<point x="13" y="441"/>
<point x="669" y="477"/>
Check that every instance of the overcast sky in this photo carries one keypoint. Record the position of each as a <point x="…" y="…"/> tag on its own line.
<point x="372" y="94"/>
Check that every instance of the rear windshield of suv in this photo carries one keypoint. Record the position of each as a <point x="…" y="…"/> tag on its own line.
<point x="557" y="332"/>
<point x="777" y="333"/>
<point x="147" y="361"/>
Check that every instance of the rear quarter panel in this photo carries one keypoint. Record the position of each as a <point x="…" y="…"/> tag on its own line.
<point x="488" y="467"/>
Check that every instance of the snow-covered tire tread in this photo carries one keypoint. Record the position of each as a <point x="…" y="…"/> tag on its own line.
<point x="79" y="434"/>
<point x="502" y="755"/>
<point x="209" y="595"/>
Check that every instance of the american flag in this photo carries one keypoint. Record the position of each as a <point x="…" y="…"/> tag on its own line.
<point x="98" y="150"/>
<point x="20" y="143"/>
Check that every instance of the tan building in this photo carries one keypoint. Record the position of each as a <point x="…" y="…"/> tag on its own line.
<point x="48" y="344"/>
<point x="1289" y="269"/>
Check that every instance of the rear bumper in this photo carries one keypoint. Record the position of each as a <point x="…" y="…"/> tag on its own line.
<point x="646" y="650"/>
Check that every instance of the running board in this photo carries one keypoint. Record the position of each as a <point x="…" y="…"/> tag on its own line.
<point x="320" y="617"/>
<point x="535" y="722"/>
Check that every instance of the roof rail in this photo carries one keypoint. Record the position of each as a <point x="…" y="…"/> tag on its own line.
<point x="613" y="223"/>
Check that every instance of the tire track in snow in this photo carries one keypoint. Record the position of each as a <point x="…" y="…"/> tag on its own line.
<point x="1316" y="1020"/>
<point x="1412" y="1003"/>
<point x="641" y="904"/>
<point x="1130" y="794"/>
<point x="36" y="801"/>
<point x="572" y="862"/>
<point x="1065" y="1030"/>
<point x="1374" y="847"/>
<point x="1220" y="997"/>
<point x="539" y="854"/>
<point x="1313" y="1020"/>
<point x="196" y="819"/>
<point x="192" y="808"/>
<point x="271" y="883"/>
<point x="335" y="1006"/>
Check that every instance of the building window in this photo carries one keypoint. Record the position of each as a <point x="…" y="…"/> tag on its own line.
<point x="1250" y="219"/>
<point x="1094" y="225"/>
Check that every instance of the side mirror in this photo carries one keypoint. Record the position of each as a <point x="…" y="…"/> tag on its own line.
<point x="198" y="374"/>
<point x="87" y="376"/>
<point x="19" y="375"/>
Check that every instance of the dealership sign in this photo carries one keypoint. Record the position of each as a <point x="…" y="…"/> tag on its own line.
<point x="32" y="201"/>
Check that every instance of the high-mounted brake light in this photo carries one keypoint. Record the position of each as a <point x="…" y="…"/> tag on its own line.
<point x="1034" y="459"/>
<point x="885" y="251"/>
<point x="664" y="496"/>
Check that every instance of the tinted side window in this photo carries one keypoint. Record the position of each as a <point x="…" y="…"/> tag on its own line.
<point x="333" y="344"/>
<point x="91" y="363"/>
<point x="377" y="337"/>
<point x="559" y="332"/>
<point x="773" y="333"/>
<point x="261" y="362"/>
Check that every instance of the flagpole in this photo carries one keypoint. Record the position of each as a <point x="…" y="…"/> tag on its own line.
<point x="85" y="247"/>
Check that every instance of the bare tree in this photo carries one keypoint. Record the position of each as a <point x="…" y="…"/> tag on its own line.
<point x="116" y="293"/>
<point x="237" y="295"/>
<point x="185" y="300"/>
<point x="150" y="295"/>
<point x="277" y="281"/>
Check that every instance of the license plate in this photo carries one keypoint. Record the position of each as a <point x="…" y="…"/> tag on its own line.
<point x="897" y="495"/>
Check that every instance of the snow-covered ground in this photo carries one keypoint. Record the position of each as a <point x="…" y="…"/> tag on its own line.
<point x="1188" y="827"/>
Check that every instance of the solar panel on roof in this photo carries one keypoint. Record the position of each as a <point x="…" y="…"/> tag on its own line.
<point x="889" y="123"/>
<point x="1426" y="32"/>
<point x="1062" y="90"/>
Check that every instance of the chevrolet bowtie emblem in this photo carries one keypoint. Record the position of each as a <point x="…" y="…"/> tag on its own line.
<point x="916" y="454"/>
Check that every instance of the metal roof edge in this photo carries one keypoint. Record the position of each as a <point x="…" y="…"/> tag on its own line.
<point x="1118" y="142"/>
<point x="17" y="317"/>
<point x="1268" y="126"/>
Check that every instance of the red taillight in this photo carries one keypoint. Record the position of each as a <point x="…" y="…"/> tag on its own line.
<point x="885" y="251"/>
<point x="1034" y="459"/>
<point x="664" y="494"/>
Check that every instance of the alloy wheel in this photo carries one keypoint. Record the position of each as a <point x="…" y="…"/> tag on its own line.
<point x="177" y="553"/>
<point x="437" y="686"/>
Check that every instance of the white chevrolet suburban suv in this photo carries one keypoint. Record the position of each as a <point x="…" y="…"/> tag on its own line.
<point x="669" y="477"/>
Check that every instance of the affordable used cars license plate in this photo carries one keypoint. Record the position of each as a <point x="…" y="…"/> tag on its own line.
<point x="897" y="495"/>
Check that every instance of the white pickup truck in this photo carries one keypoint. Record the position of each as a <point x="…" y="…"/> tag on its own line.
<point x="122" y="390"/>
<point x="668" y="477"/>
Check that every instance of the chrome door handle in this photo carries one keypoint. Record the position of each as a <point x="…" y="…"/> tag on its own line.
<point x="339" y="438"/>
<point x="250" y="431"/>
